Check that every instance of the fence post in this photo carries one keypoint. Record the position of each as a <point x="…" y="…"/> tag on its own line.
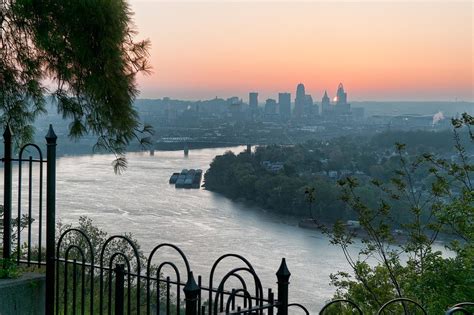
<point x="50" y="219"/>
<point x="119" y="288"/>
<point x="7" y="193"/>
<point x="191" y="292"/>
<point x="283" y="276"/>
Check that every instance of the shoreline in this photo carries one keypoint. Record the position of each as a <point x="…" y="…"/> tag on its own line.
<point x="314" y="225"/>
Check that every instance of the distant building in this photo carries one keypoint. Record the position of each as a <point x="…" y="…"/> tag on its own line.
<point x="308" y="100"/>
<point x="341" y="95"/>
<point x="316" y="109"/>
<point x="309" y="109"/>
<point x="325" y="104"/>
<point x="253" y="101"/>
<point x="300" y="101"/>
<point x="270" y="107"/>
<point x="233" y="100"/>
<point x="284" y="106"/>
<point x="273" y="166"/>
<point x="235" y="108"/>
<point x="342" y="107"/>
<point x="340" y="110"/>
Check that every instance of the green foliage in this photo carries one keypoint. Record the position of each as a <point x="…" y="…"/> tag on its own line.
<point x="304" y="168"/>
<point x="98" y="237"/>
<point x="416" y="141"/>
<point x="243" y="176"/>
<point x="87" y="49"/>
<point x="310" y="198"/>
<point x="18" y="224"/>
<point x="8" y="269"/>
<point x="437" y="196"/>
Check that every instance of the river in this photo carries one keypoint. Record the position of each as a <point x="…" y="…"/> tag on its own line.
<point x="204" y="224"/>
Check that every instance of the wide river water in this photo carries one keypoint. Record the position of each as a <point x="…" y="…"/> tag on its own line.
<point x="204" y="224"/>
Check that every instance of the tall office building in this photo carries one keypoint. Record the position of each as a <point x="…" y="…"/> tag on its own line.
<point x="309" y="108"/>
<point x="270" y="107"/>
<point x="341" y="95"/>
<point x="300" y="101"/>
<point x="342" y="107"/>
<point x="235" y="108"/>
<point x="308" y="100"/>
<point x="253" y="101"/>
<point x="316" y="109"/>
<point x="284" y="106"/>
<point x="325" y="104"/>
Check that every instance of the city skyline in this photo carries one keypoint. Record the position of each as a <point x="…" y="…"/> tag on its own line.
<point x="382" y="50"/>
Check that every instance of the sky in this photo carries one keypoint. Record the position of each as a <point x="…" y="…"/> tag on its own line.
<point x="380" y="50"/>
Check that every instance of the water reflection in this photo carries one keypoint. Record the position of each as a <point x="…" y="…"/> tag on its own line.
<point x="204" y="224"/>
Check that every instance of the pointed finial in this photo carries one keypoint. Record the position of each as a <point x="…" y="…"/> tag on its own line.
<point x="283" y="273"/>
<point x="51" y="136"/>
<point x="8" y="132"/>
<point x="191" y="285"/>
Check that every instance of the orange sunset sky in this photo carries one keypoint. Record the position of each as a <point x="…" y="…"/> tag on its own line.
<point x="380" y="50"/>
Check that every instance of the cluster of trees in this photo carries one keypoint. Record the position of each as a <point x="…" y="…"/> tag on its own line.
<point x="82" y="54"/>
<point x="244" y="176"/>
<point x="413" y="269"/>
<point x="418" y="141"/>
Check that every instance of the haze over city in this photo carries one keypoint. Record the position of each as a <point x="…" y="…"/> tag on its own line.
<point x="383" y="50"/>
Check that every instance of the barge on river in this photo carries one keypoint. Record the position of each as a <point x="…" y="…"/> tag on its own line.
<point x="187" y="179"/>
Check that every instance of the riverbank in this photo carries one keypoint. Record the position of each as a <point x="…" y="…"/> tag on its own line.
<point x="352" y="227"/>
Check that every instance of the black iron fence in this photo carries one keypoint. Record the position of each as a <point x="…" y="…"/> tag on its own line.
<point x="123" y="282"/>
<point x="84" y="277"/>
<point x="36" y="250"/>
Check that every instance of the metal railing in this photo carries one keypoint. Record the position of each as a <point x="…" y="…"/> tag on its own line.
<point x="23" y="253"/>
<point x="120" y="281"/>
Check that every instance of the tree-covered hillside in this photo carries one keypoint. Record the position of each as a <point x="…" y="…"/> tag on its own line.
<point x="277" y="177"/>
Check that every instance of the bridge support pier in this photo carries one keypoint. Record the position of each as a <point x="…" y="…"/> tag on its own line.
<point x="186" y="149"/>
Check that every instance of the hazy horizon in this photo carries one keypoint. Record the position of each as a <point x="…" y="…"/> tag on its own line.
<point x="261" y="101"/>
<point x="381" y="51"/>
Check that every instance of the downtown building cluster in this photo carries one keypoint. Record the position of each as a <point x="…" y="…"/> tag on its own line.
<point x="298" y="110"/>
<point x="303" y="109"/>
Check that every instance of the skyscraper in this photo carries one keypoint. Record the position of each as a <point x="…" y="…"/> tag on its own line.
<point x="342" y="107"/>
<point x="300" y="101"/>
<point x="325" y="104"/>
<point x="308" y="100"/>
<point x="270" y="107"/>
<point x="253" y="101"/>
<point x="284" y="106"/>
<point x="341" y="95"/>
<point x="309" y="108"/>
